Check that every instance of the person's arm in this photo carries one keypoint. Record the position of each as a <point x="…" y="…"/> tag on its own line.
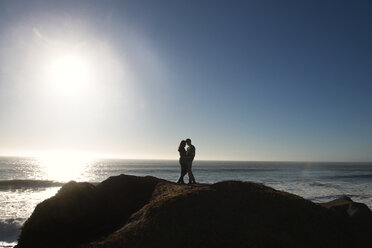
<point x="188" y="153"/>
<point x="192" y="152"/>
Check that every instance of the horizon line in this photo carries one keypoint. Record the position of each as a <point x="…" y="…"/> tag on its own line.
<point x="203" y="160"/>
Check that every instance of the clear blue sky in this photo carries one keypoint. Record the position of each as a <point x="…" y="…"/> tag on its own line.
<point x="245" y="80"/>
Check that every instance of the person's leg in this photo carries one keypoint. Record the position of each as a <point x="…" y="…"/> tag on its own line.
<point x="184" y="170"/>
<point x="180" y="180"/>
<point x="183" y="173"/>
<point x="189" y="171"/>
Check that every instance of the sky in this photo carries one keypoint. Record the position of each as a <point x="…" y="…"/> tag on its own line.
<point x="245" y="80"/>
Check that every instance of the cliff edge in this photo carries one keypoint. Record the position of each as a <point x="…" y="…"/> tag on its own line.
<point x="129" y="211"/>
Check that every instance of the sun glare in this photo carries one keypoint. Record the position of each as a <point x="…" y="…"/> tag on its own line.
<point x="69" y="73"/>
<point x="64" y="167"/>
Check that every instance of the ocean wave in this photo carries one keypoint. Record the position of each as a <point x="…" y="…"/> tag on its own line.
<point x="10" y="229"/>
<point x="7" y="244"/>
<point x="359" y="176"/>
<point x="329" y="185"/>
<point x="326" y="198"/>
<point x="20" y="184"/>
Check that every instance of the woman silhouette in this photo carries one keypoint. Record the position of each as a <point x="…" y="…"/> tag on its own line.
<point x="183" y="161"/>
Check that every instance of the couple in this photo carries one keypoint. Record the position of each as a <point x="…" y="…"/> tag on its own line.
<point x="186" y="158"/>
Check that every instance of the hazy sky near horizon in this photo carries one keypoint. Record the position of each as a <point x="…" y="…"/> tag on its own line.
<point x="245" y="80"/>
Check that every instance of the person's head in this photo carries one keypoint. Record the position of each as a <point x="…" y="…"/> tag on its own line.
<point x="188" y="142"/>
<point x="182" y="144"/>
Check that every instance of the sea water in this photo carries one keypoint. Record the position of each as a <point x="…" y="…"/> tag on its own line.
<point x="24" y="182"/>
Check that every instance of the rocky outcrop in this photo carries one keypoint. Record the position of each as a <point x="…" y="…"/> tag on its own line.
<point x="82" y="212"/>
<point x="129" y="211"/>
<point x="358" y="215"/>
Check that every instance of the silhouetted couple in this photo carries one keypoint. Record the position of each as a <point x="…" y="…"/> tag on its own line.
<point x="186" y="158"/>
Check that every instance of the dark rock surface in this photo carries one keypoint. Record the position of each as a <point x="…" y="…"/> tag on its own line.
<point x="358" y="215"/>
<point x="130" y="211"/>
<point x="81" y="212"/>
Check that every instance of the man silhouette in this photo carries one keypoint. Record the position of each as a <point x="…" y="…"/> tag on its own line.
<point x="190" y="154"/>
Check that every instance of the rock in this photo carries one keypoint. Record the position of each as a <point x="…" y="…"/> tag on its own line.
<point x="358" y="214"/>
<point x="129" y="211"/>
<point x="81" y="212"/>
<point x="346" y="206"/>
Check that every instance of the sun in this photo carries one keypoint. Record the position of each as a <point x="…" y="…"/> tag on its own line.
<point x="69" y="73"/>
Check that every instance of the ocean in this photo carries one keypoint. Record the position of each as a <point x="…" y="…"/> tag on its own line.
<point x="24" y="182"/>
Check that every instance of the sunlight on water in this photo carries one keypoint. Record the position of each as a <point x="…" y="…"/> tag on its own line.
<point x="16" y="206"/>
<point x="64" y="167"/>
<point x="21" y="202"/>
